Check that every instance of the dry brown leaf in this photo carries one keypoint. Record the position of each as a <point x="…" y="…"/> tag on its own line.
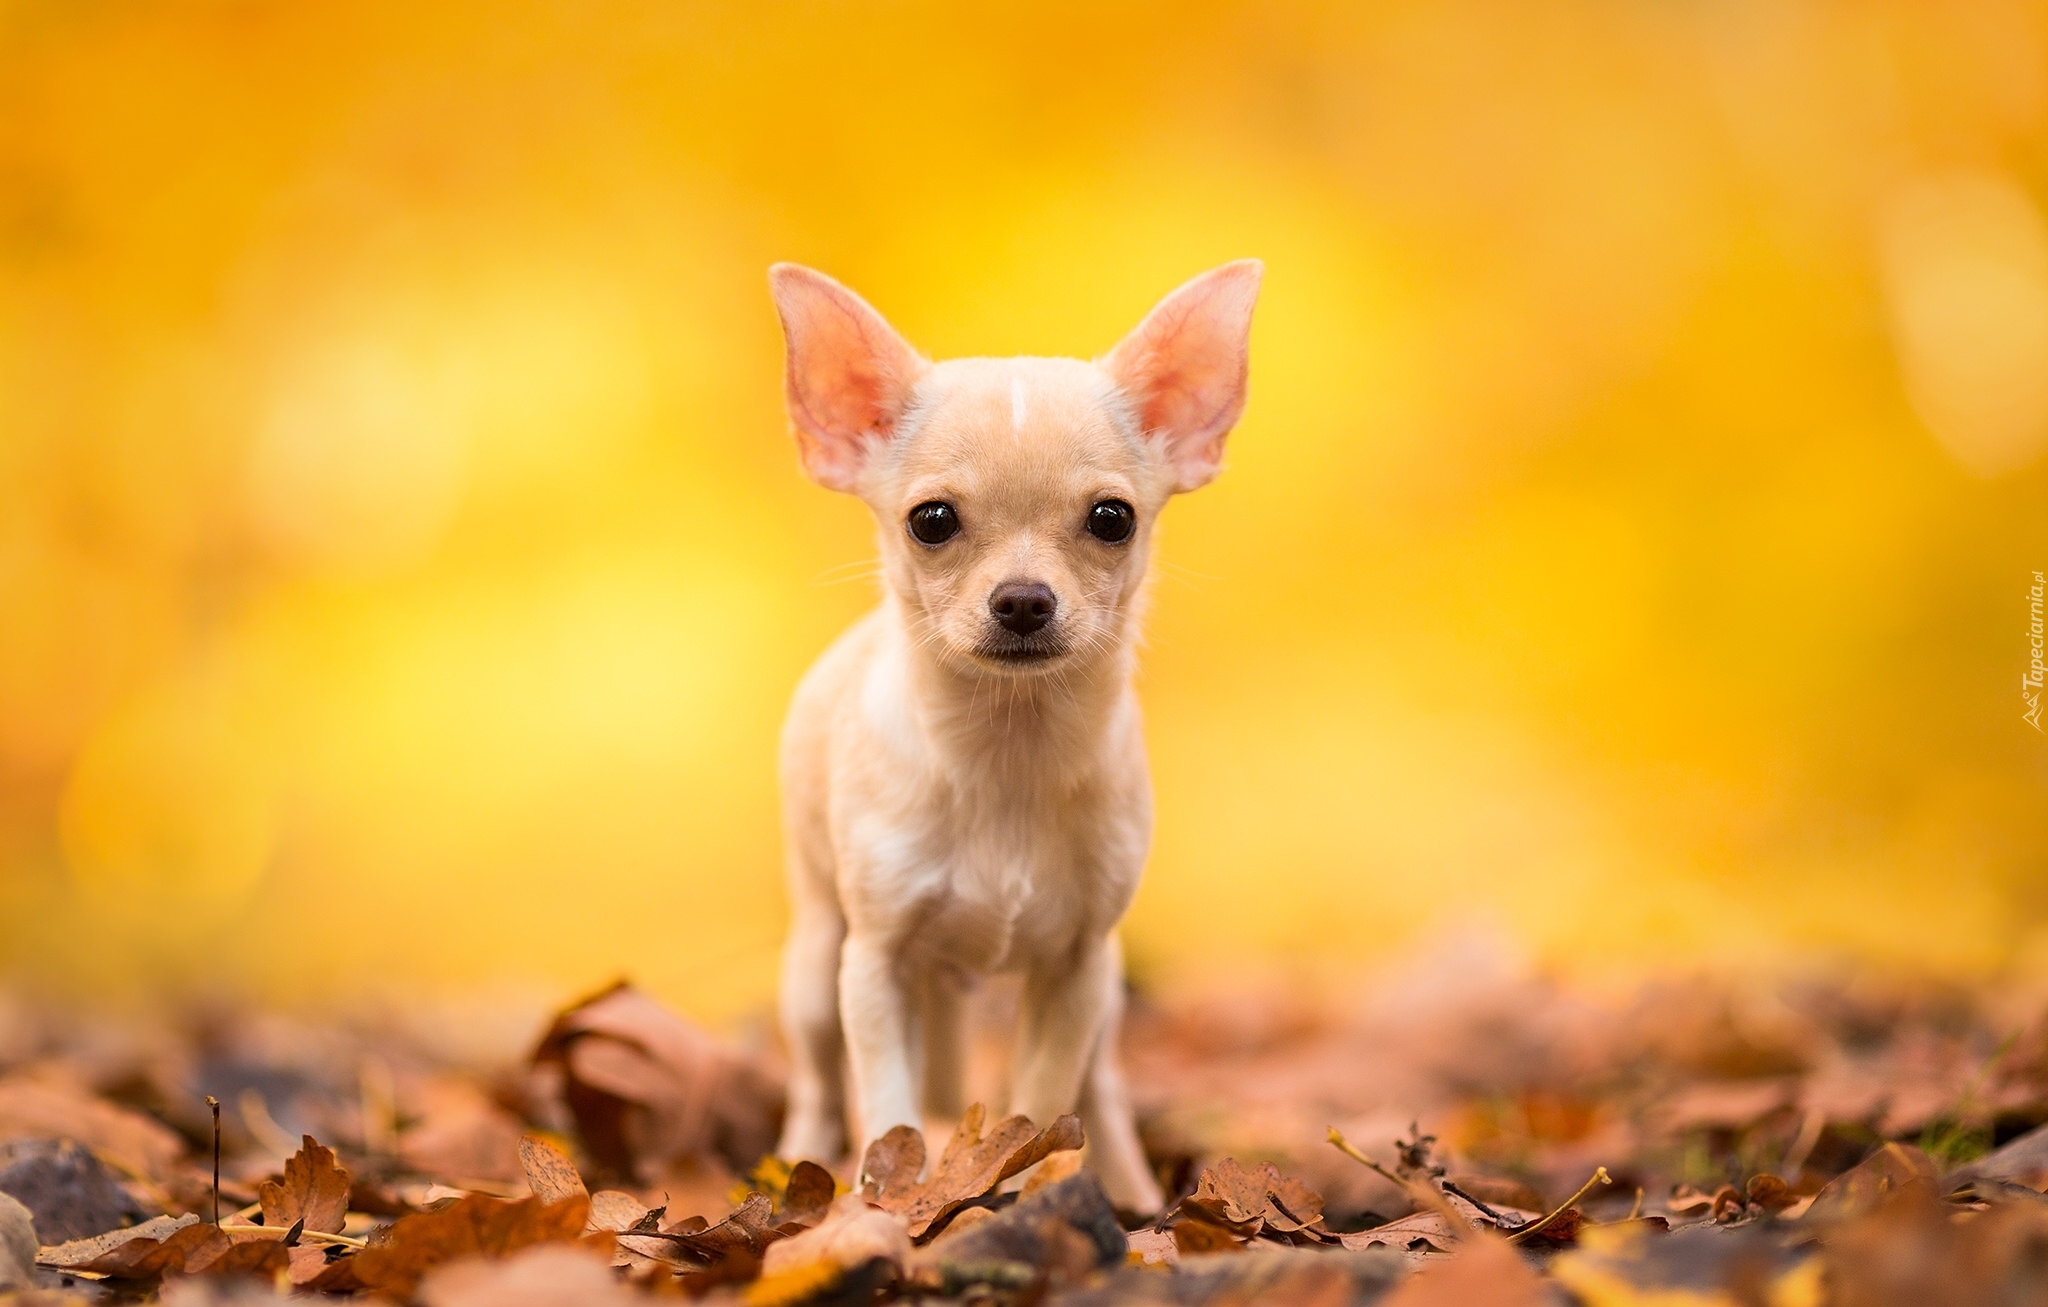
<point x="32" y="1107"/>
<point x="315" y="1190"/>
<point x="1153" y="1247"/>
<point x="971" y="1166"/>
<point x="1890" y="1172"/>
<point x="1910" y="1254"/>
<point x="1634" y="1264"/>
<point x="17" y="1245"/>
<point x="547" y="1275"/>
<point x="1769" y="1193"/>
<point x="647" y="1088"/>
<point x="1484" y="1272"/>
<point x="196" y="1248"/>
<point x="1256" y="1201"/>
<point x="2021" y="1161"/>
<point x="1282" y="1277"/>
<point x="1498" y="1192"/>
<point x="746" y="1232"/>
<point x="307" y="1261"/>
<point x="549" y="1172"/>
<point x="1421" y="1232"/>
<point x="1195" y="1235"/>
<point x="80" y="1253"/>
<point x="1060" y="1166"/>
<point x="810" y="1191"/>
<point x="70" y="1192"/>
<point x="616" y="1211"/>
<point x="469" y="1227"/>
<point x="851" y="1234"/>
<point x="460" y="1133"/>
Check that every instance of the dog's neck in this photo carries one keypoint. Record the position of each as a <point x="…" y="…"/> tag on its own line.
<point x="1054" y="727"/>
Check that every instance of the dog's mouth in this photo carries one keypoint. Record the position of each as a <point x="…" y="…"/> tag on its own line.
<point x="1008" y="650"/>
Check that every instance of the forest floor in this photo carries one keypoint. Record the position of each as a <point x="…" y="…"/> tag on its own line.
<point x="1449" y="1132"/>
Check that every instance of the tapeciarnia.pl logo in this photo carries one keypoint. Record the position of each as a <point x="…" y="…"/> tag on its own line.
<point x="2030" y="683"/>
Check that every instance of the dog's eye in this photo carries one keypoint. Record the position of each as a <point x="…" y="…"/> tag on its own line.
<point x="1112" y="521"/>
<point x="934" y="523"/>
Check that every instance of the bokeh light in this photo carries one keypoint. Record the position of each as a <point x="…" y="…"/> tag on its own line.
<point x="404" y="562"/>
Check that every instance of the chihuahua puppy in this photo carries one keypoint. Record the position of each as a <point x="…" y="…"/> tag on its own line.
<point x="964" y="778"/>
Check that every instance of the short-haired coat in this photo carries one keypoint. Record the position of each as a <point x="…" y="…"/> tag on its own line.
<point x="964" y="779"/>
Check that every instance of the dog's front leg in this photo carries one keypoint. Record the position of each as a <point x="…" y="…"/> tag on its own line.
<point x="874" y="1009"/>
<point x="1065" y="1004"/>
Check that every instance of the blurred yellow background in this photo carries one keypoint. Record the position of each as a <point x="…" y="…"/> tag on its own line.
<point x="404" y="562"/>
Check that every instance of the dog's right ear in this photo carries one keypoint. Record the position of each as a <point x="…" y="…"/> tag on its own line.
<point x="849" y="373"/>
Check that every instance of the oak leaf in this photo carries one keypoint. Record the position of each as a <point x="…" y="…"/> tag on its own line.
<point x="647" y="1088"/>
<point x="808" y="1194"/>
<point x="549" y="1172"/>
<point x="850" y="1235"/>
<point x="471" y="1226"/>
<point x="77" y="1254"/>
<point x="970" y="1167"/>
<point x="197" y="1248"/>
<point x="315" y="1190"/>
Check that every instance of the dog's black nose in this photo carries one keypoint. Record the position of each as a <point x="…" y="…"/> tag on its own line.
<point x="1022" y="606"/>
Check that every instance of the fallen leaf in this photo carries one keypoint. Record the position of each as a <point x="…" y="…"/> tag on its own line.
<point x="69" y="1191"/>
<point x="315" y="1190"/>
<point x="615" y="1211"/>
<point x="79" y="1253"/>
<point x="746" y="1232"/>
<point x="1065" y="1230"/>
<point x="549" y="1172"/>
<point x="821" y="1283"/>
<point x="194" y="1248"/>
<point x="1688" y="1199"/>
<point x="1287" y="1276"/>
<point x="1497" y="1192"/>
<point x="473" y="1226"/>
<point x="851" y="1234"/>
<point x="1253" y="1200"/>
<point x="460" y="1133"/>
<point x="1421" y="1232"/>
<point x="970" y="1167"/>
<point x="809" y="1192"/>
<point x="1769" y="1193"/>
<point x="1195" y="1235"/>
<point x="1153" y="1247"/>
<point x="1630" y="1264"/>
<point x="17" y="1245"/>
<point x="2023" y="1160"/>
<point x="1910" y="1254"/>
<point x="647" y="1088"/>
<point x="1891" y="1171"/>
<point x="1728" y="1204"/>
<point x="545" y="1275"/>
<point x="32" y="1107"/>
<point x="308" y="1260"/>
<point x="1485" y="1271"/>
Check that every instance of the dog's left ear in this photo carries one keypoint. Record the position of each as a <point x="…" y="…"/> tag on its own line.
<point x="849" y="373"/>
<point x="1184" y="367"/>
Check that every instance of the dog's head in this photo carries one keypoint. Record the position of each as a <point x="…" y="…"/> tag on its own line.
<point x="1016" y="496"/>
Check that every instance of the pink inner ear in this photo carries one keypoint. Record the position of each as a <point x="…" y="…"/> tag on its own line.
<point x="849" y="373"/>
<point x="1185" y="367"/>
<point x="834" y="377"/>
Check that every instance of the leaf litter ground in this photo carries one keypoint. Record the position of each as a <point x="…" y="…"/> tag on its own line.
<point x="1450" y="1134"/>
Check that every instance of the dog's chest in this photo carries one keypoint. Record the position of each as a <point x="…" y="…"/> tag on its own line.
<point x="1010" y="879"/>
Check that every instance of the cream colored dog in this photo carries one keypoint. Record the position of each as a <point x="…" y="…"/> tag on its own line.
<point x="964" y="777"/>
